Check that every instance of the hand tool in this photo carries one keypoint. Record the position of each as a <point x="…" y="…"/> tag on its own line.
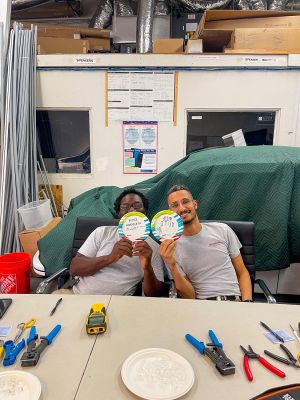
<point x="250" y="354"/>
<point x="291" y="359"/>
<point x="1" y="348"/>
<point x="215" y="352"/>
<point x="34" y="349"/>
<point x="96" y="322"/>
<point x="295" y="333"/>
<point x="55" y="307"/>
<point x="12" y="351"/>
<point x="22" y="327"/>
<point x="271" y="331"/>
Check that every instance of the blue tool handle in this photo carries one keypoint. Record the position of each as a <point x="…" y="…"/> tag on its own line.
<point x="214" y="339"/>
<point x="52" y="334"/>
<point x="32" y="334"/>
<point x="199" y="345"/>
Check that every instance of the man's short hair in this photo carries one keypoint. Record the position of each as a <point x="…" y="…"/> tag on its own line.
<point x="130" y="191"/>
<point x="176" y="188"/>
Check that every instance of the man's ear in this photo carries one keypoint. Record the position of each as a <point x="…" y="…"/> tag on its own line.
<point x="195" y="204"/>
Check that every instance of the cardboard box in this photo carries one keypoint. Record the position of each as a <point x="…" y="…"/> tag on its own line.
<point x="49" y="45"/>
<point x="167" y="46"/>
<point x="29" y="238"/>
<point x="272" y="40"/>
<point x="216" y="27"/>
<point x="194" y="46"/>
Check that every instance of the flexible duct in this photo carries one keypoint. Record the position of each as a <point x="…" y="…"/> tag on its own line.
<point x="277" y="4"/>
<point x="161" y="7"/>
<point x="251" y="4"/>
<point x="199" y="5"/>
<point x="124" y="8"/>
<point x="23" y="4"/>
<point x="292" y="5"/>
<point x="144" y="26"/>
<point x="102" y="16"/>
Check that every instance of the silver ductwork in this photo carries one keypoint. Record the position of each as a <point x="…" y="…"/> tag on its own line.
<point x="161" y="8"/>
<point x="251" y="4"/>
<point x="124" y="8"/>
<point x="200" y="5"/>
<point x="103" y="14"/>
<point x="144" y="26"/>
<point x="22" y="4"/>
<point x="277" y="4"/>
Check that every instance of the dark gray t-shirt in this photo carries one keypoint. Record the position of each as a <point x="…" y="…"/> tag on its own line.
<point x="121" y="277"/>
<point x="205" y="259"/>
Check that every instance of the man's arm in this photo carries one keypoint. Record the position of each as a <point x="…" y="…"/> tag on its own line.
<point x="85" y="266"/>
<point x="152" y="286"/>
<point x="243" y="277"/>
<point x="182" y="284"/>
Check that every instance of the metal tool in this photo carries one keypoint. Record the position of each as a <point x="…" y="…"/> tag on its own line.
<point x="290" y="361"/>
<point x="22" y="327"/>
<point x="271" y="331"/>
<point x="96" y="322"/>
<point x="215" y="352"/>
<point x="251" y="354"/>
<point x="12" y="351"/>
<point x="295" y="333"/>
<point x="55" y="307"/>
<point x="34" y="349"/>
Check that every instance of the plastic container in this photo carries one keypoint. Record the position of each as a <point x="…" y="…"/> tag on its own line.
<point x="36" y="214"/>
<point x="15" y="273"/>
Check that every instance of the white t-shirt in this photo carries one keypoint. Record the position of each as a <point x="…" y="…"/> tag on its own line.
<point x="205" y="258"/>
<point x="121" y="277"/>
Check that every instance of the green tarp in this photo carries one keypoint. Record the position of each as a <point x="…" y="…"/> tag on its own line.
<point x="260" y="184"/>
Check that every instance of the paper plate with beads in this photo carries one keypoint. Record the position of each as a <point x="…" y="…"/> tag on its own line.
<point x="135" y="226"/>
<point x="166" y="225"/>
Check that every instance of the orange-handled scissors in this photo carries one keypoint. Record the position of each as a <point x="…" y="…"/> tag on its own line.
<point x="22" y="327"/>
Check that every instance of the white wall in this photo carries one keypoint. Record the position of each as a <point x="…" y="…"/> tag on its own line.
<point x="209" y="90"/>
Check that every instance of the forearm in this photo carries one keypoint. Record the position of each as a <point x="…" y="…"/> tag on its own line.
<point x="85" y="266"/>
<point x="183" y="286"/>
<point x="152" y="286"/>
<point x="245" y="285"/>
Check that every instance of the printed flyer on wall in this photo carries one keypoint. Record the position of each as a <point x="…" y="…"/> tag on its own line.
<point x="140" y="147"/>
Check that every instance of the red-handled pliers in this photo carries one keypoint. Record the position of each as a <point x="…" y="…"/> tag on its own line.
<point x="250" y="354"/>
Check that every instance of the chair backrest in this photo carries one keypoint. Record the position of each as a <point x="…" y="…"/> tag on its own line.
<point x="85" y="226"/>
<point x="245" y="231"/>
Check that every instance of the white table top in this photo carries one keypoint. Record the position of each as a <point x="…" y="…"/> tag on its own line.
<point x="62" y="364"/>
<point x="137" y="323"/>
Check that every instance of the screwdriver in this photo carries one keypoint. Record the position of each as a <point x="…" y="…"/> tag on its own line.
<point x="55" y="307"/>
<point x="271" y="331"/>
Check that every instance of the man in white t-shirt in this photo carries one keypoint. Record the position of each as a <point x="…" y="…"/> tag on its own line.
<point x="205" y="262"/>
<point x="107" y="264"/>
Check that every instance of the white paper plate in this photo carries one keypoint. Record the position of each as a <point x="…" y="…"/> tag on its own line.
<point x="167" y="224"/>
<point x="135" y="226"/>
<point x="157" y="374"/>
<point x="19" y="385"/>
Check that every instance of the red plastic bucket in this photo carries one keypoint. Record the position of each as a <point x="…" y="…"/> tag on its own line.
<point x="15" y="273"/>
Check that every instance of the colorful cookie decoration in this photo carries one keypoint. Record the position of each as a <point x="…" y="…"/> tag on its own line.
<point x="167" y="225"/>
<point x="135" y="226"/>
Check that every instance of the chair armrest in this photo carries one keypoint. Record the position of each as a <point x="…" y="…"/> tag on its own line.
<point x="41" y="289"/>
<point x="266" y="291"/>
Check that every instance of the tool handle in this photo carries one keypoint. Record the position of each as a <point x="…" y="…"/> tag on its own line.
<point x="288" y="353"/>
<point x="199" y="345"/>
<point x="278" y="358"/>
<point x="53" y="333"/>
<point x="214" y="339"/>
<point x="247" y="369"/>
<point x="271" y="367"/>
<point x="32" y="334"/>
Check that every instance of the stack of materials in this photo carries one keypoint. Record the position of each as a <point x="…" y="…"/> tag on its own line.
<point x="57" y="38"/>
<point x="250" y="32"/>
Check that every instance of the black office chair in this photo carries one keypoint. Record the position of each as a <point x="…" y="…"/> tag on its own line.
<point x="245" y="231"/>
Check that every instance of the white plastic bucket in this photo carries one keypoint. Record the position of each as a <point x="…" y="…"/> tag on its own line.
<point x="36" y="214"/>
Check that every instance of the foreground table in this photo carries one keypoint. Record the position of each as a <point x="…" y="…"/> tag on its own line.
<point x="137" y="323"/>
<point x="62" y="364"/>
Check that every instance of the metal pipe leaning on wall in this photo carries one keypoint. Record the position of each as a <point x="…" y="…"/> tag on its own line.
<point x="144" y="26"/>
<point x="18" y="167"/>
